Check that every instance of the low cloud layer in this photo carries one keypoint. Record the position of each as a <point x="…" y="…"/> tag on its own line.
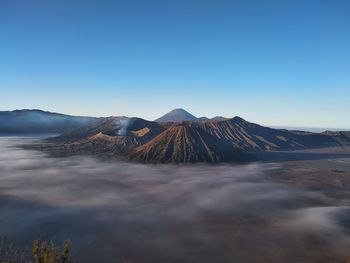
<point x="113" y="211"/>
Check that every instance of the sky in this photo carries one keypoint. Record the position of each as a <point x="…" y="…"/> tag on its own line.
<point x="274" y="62"/>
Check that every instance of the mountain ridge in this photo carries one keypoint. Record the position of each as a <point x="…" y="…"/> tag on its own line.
<point x="39" y="121"/>
<point x="179" y="115"/>
<point x="228" y="140"/>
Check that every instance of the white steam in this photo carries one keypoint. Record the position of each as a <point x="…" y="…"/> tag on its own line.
<point x="123" y="125"/>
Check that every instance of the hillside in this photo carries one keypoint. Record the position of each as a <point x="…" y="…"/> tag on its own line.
<point x="38" y="121"/>
<point x="111" y="136"/>
<point x="253" y="137"/>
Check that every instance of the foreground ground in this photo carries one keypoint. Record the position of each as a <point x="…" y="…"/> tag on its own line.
<point x="290" y="208"/>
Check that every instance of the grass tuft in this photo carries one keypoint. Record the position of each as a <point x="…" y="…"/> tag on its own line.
<point x="42" y="252"/>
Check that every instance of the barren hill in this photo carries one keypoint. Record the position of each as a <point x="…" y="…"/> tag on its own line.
<point x="111" y="136"/>
<point x="185" y="143"/>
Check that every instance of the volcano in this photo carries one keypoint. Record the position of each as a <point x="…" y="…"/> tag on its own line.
<point x="185" y="143"/>
<point x="177" y="115"/>
<point x="207" y="140"/>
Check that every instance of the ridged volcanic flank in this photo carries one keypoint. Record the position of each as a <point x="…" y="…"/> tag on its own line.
<point x="185" y="144"/>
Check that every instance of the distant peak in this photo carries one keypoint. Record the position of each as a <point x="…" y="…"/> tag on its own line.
<point x="238" y="119"/>
<point x="177" y="115"/>
<point x="178" y="110"/>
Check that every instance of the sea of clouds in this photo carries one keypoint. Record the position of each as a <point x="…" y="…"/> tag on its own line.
<point x="113" y="211"/>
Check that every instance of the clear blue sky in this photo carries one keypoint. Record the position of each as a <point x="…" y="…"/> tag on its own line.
<point x="274" y="62"/>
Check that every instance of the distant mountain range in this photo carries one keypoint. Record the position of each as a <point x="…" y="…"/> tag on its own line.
<point x="178" y="115"/>
<point x="38" y="121"/>
<point x="178" y="141"/>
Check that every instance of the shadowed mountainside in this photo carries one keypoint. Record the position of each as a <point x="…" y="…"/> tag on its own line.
<point x="253" y="137"/>
<point x="38" y="121"/>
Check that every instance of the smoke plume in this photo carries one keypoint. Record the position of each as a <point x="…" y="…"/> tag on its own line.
<point x="122" y="125"/>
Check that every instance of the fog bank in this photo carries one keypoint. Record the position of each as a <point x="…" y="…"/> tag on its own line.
<point x="112" y="211"/>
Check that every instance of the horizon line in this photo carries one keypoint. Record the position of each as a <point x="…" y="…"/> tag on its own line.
<point x="275" y="126"/>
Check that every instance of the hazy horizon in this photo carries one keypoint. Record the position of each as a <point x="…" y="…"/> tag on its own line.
<point x="288" y="127"/>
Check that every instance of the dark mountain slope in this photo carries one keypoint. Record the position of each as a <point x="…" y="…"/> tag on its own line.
<point x="38" y="121"/>
<point x="253" y="137"/>
<point x="216" y="118"/>
<point x="114" y="126"/>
